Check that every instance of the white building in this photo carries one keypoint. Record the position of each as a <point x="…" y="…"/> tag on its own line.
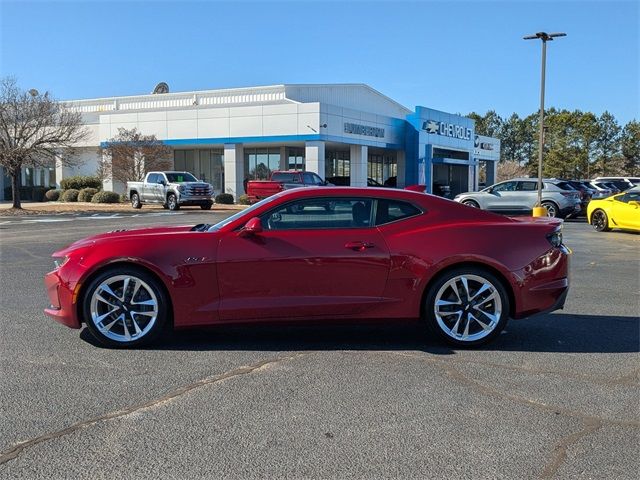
<point x="349" y="132"/>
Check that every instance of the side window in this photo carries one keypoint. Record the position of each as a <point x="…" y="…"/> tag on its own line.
<point x="153" y="178"/>
<point x="312" y="179"/>
<point x="505" y="187"/>
<point x="527" y="186"/>
<point x="388" y="211"/>
<point x="629" y="197"/>
<point x="319" y="213"/>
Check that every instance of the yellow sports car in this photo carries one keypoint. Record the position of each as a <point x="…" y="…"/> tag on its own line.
<point x="617" y="211"/>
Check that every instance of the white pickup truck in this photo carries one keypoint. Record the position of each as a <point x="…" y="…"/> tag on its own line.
<point x="171" y="190"/>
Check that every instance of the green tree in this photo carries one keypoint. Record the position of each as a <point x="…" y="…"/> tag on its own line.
<point x="607" y="144"/>
<point x="630" y="147"/>
<point x="488" y="124"/>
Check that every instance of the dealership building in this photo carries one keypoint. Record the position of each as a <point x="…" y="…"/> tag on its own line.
<point x="336" y="130"/>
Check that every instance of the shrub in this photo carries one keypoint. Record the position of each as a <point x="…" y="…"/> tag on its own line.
<point x="86" y="194"/>
<point x="70" y="195"/>
<point x="224" y="198"/>
<point x="79" y="182"/>
<point x="38" y="194"/>
<point x="244" y="199"/>
<point x="53" y="195"/>
<point x="106" y="196"/>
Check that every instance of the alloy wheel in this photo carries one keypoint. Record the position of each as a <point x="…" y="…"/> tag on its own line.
<point x="124" y="308"/>
<point x="468" y="308"/>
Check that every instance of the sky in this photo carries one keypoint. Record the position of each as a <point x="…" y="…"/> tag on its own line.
<point x="449" y="55"/>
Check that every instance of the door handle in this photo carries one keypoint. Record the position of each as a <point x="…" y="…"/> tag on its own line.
<point x="358" y="246"/>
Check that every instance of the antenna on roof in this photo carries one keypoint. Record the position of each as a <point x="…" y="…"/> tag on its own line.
<point x="162" y="87"/>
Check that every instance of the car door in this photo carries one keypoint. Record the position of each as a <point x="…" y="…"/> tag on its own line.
<point x="625" y="214"/>
<point x="159" y="188"/>
<point x="502" y="197"/>
<point x="309" y="261"/>
<point x="148" y="188"/>
<point x="527" y="194"/>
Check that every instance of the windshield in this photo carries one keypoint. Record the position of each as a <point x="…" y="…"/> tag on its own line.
<point x="179" y="177"/>
<point x="235" y="216"/>
<point x="564" y="186"/>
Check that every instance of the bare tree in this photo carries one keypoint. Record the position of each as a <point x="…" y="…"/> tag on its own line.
<point x="35" y="130"/>
<point x="510" y="169"/>
<point x="130" y="155"/>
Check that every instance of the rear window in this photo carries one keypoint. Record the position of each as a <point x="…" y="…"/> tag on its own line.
<point x="564" y="186"/>
<point x="285" y="177"/>
<point x="388" y="211"/>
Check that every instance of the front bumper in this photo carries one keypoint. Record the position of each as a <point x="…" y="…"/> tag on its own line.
<point x="62" y="307"/>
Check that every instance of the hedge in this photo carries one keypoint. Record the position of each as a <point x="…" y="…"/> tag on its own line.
<point x="34" y="194"/>
<point x="106" y="196"/>
<point x="53" y="195"/>
<point x="79" y="182"/>
<point x="244" y="199"/>
<point x="86" y="194"/>
<point x="224" y="198"/>
<point x="70" y="195"/>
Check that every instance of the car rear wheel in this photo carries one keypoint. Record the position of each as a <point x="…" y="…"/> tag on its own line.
<point x="125" y="307"/>
<point x="135" y="201"/>
<point x="467" y="307"/>
<point x="600" y="221"/>
<point x="172" y="202"/>
<point x="552" y="209"/>
<point x="471" y="203"/>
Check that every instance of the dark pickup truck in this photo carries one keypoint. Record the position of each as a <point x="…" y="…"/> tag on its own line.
<point x="282" y="180"/>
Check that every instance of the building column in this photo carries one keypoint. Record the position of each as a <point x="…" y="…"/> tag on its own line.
<point x="401" y="168"/>
<point x="314" y="157"/>
<point x="234" y="169"/>
<point x="359" y="155"/>
<point x="284" y="161"/>
<point x="491" y="172"/>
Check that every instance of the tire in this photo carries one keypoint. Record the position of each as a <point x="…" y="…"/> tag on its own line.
<point x="135" y="201"/>
<point x="459" y="322"/>
<point x="206" y="206"/>
<point x="552" y="209"/>
<point x="172" y="202"/>
<point x="164" y="205"/>
<point x="110" y="307"/>
<point x="471" y="203"/>
<point x="600" y="221"/>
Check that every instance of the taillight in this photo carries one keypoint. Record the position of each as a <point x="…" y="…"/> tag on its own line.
<point x="555" y="238"/>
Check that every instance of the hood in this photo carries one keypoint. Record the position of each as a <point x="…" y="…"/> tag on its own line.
<point x="122" y="234"/>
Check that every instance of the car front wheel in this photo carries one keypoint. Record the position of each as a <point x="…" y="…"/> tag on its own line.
<point x="125" y="307"/>
<point x="467" y="307"/>
<point x="600" y="221"/>
<point x="552" y="209"/>
<point x="172" y="202"/>
<point x="471" y="203"/>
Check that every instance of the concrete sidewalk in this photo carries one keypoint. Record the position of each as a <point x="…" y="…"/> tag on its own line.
<point x="39" y="208"/>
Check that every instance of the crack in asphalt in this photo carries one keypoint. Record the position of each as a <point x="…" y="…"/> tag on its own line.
<point x="560" y="449"/>
<point x="16" y="450"/>
<point x="494" y="392"/>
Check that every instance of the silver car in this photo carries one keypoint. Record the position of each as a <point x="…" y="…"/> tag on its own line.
<point x="520" y="195"/>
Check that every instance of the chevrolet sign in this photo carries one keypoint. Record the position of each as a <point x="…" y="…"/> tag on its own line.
<point x="447" y="129"/>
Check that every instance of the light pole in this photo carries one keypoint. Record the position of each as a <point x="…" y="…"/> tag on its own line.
<point x="539" y="210"/>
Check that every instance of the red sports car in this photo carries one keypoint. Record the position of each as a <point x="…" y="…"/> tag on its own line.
<point x="374" y="254"/>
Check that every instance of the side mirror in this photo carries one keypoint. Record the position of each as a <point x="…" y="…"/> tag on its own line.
<point x="162" y="182"/>
<point x="252" y="227"/>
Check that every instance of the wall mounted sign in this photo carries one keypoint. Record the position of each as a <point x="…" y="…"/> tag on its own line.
<point x="483" y="145"/>
<point x="356" y="129"/>
<point x="447" y="129"/>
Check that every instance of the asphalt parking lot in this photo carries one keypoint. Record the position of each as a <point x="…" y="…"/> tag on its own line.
<point x="556" y="396"/>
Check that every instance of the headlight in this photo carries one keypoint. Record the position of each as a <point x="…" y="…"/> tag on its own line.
<point x="59" y="261"/>
<point x="181" y="188"/>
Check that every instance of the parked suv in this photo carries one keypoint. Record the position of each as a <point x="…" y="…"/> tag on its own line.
<point x="171" y="190"/>
<point x="520" y="195"/>
<point x="621" y="183"/>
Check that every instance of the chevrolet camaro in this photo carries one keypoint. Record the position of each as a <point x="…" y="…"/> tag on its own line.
<point x="379" y="253"/>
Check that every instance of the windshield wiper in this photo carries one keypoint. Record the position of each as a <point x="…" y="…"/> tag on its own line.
<point x="201" y="227"/>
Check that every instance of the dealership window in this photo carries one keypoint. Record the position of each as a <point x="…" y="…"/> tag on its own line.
<point x="205" y="164"/>
<point x="295" y="158"/>
<point x="381" y="166"/>
<point x="337" y="163"/>
<point x="260" y="162"/>
<point x="446" y="153"/>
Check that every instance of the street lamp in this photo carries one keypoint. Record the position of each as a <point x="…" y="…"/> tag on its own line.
<point x="539" y="210"/>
